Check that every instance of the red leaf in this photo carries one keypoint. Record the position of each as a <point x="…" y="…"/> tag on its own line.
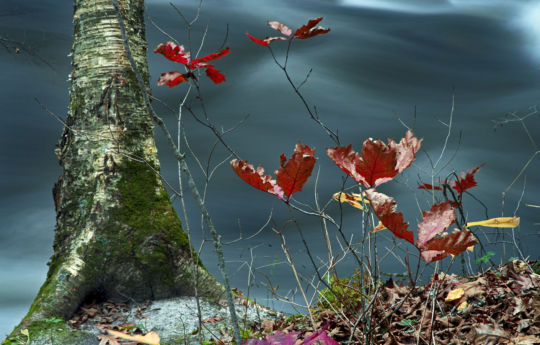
<point x="194" y="63"/>
<point x="379" y="162"/>
<point x="346" y="159"/>
<point x="385" y="207"/>
<point x="256" y="178"/>
<point x="455" y="243"/>
<point x="292" y="176"/>
<point x="429" y="186"/>
<point x="434" y="222"/>
<point x="406" y="149"/>
<point x="172" y="78"/>
<point x="320" y="337"/>
<point x="284" y="29"/>
<point x="173" y="52"/>
<point x="266" y="41"/>
<point x="466" y="180"/>
<point x="309" y="30"/>
<point x="375" y="166"/>
<point x="214" y="74"/>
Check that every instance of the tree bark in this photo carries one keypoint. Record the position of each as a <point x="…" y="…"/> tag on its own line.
<point x="117" y="235"/>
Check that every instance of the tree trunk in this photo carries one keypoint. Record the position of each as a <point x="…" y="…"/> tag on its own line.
<point x="117" y="235"/>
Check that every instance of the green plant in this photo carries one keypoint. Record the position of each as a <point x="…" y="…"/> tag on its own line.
<point x="485" y="258"/>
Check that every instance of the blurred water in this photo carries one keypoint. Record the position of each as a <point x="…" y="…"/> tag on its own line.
<point x="382" y="60"/>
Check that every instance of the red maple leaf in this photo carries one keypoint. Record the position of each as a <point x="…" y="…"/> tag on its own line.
<point x="310" y="30"/>
<point x="177" y="53"/>
<point x="385" y="209"/>
<point x="466" y="180"/>
<point x="265" y="42"/>
<point x="292" y="176"/>
<point x="434" y="222"/>
<point x="379" y="162"/>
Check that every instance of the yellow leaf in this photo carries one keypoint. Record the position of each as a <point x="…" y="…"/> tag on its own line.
<point x="379" y="227"/>
<point x="471" y="248"/>
<point x="454" y="295"/>
<point x="462" y="306"/>
<point x="501" y="222"/>
<point x="354" y="199"/>
<point x="150" y="338"/>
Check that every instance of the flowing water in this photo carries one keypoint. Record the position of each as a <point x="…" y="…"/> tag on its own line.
<point x="384" y="62"/>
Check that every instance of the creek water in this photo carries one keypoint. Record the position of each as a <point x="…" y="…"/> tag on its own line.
<point x="383" y="64"/>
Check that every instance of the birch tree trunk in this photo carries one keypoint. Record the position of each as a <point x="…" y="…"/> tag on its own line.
<point x="117" y="234"/>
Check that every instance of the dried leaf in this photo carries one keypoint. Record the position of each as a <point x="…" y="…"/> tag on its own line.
<point x="454" y="243"/>
<point x="107" y="339"/>
<point x="354" y="199"/>
<point x="500" y="222"/>
<point x="150" y="338"/>
<point x="454" y="295"/>
<point x="284" y="29"/>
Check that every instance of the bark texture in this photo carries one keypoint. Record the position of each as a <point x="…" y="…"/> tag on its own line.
<point x="117" y="235"/>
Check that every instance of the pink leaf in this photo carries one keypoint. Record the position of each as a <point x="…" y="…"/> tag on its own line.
<point x="385" y="209"/>
<point x="284" y="29"/>
<point x="173" y="52"/>
<point x="292" y="176"/>
<point x="434" y="222"/>
<point x="406" y="149"/>
<point x="266" y="41"/>
<point x="172" y="78"/>
<point x="320" y="337"/>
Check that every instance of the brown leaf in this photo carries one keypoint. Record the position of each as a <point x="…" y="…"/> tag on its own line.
<point x="107" y="339"/>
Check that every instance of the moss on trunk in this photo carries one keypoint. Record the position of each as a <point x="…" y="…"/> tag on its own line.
<point x="117" y="234"/>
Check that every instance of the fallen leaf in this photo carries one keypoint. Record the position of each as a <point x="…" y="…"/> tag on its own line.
<point x="454" y="295"/>
<point x="150" y="338"/>
<point x="107" y="339"/>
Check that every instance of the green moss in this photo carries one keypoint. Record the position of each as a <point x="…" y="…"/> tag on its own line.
<point x="50" y="331"/>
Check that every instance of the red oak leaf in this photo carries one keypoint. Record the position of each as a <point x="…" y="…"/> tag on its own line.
<point x="284" y="29"/>
<point x="173" y="78"/>
<point x="376" y="165"/>
<point x="406" y="149"/>
<point x="196" y="62"/>
<point x="256" y="178"/>
<point x="173" y="52"/>
<point x="310" y="30"/>
<point x="466" y="180"/>
<point x="434" y="222"/>
<point x="429" y="186"/>
<point x="215" y="74"/>
<point x="292" y="176"/>
<point x="265" y="42"/>
<point x="379" y="162"/>
<point x="454" y="243"/>
<point x="346" y="159"/>
<point x="385" y="209"/>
